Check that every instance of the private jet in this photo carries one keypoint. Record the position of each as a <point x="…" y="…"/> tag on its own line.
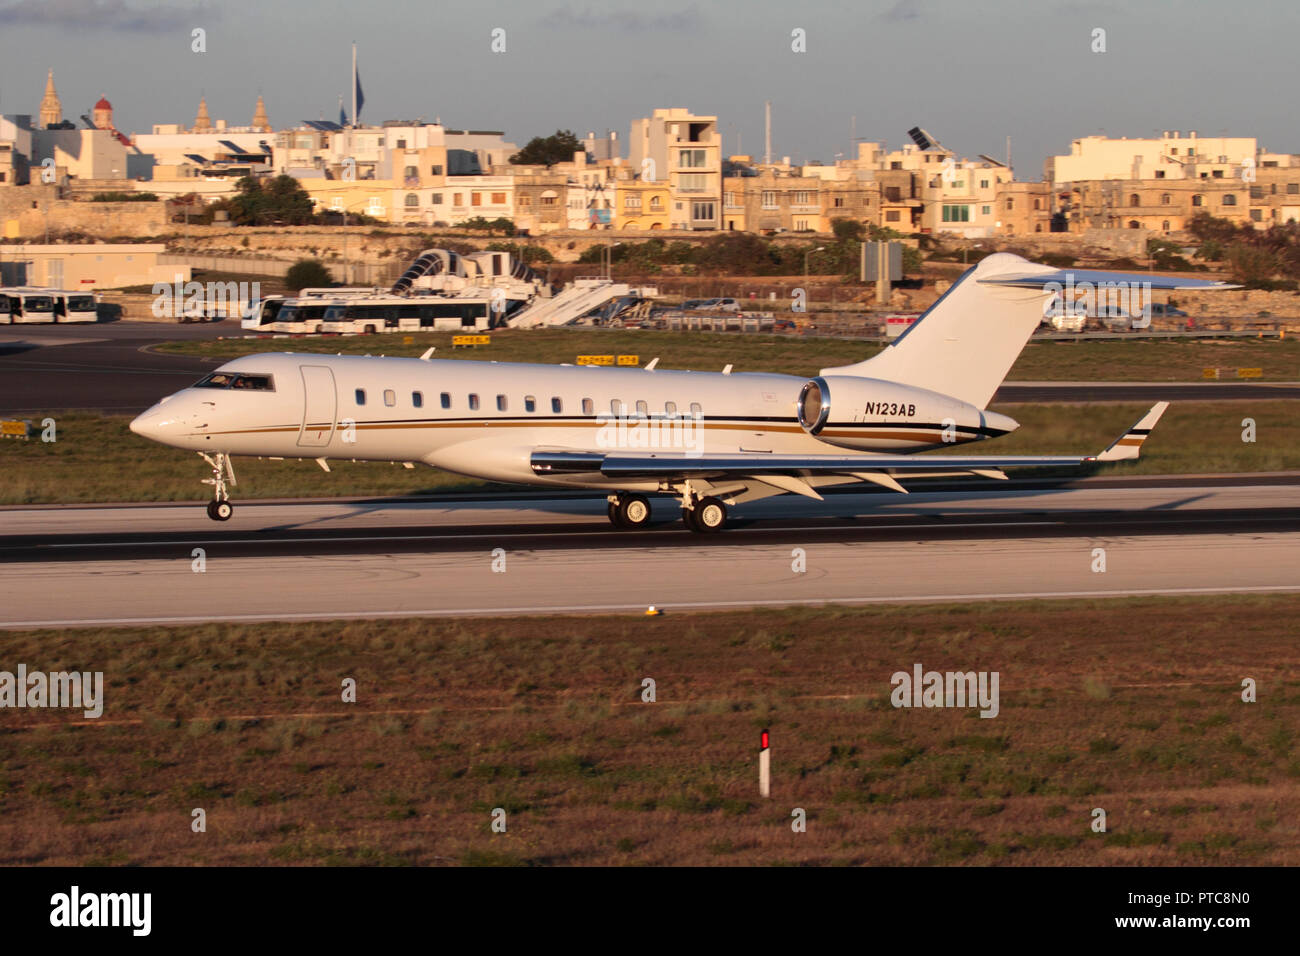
<point x="711" y="440"/>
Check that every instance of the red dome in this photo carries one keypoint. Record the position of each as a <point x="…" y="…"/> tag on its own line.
<point x="103" y="104"/>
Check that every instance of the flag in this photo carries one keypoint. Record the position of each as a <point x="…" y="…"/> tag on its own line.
<point x="360" y="98"/>
<point x="343" y="116"/>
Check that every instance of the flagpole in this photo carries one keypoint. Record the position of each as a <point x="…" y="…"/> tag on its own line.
<point x="354" y="84"/>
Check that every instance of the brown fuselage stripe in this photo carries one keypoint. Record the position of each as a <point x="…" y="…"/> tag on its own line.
<point x="931" y="437"/>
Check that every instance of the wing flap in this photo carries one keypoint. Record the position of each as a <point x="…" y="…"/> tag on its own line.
<point x="670" y="465"/>
<point x="789" y="472"/>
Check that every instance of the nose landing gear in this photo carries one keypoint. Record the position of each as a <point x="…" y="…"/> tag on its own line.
<point x="220" y="508"/>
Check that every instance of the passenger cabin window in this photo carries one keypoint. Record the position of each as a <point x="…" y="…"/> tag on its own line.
<point x="557" y="405"/>
<point x="503" y="404"/>
<point x="615" y="407"/>
<point x="473" y="402"/>
<point x="417" y="399"/>
<point x="361" y="396"/>
<point x="643" y="409"/>
<point x="446" y="399"/>
<point x="530" y="403"/>
<point x="390" y="397"/>
<point x="670" y="409"/>
<point x="696" y="410"/>
<point x="588" y="407"/>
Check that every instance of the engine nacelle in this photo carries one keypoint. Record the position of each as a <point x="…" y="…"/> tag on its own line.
<point x="874" y="415"/>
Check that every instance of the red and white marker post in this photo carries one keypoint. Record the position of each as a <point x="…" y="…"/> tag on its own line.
<point x="765" y="766"/>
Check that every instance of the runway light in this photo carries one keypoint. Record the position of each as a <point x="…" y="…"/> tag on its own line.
<point x="652" y="611"/>
<point x="764" y="745"/>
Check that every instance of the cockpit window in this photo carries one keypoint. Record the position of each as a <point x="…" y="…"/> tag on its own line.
<point x="246" y="382"/>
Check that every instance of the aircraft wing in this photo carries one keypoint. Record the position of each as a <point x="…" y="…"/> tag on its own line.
<point x="1072" y="277"/>
<point x="679" y="465"/>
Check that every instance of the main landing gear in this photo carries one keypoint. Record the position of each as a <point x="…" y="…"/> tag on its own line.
<point x="220" y="508"/>
<point x="705" y="515"/>
<point x="628" y="512"/>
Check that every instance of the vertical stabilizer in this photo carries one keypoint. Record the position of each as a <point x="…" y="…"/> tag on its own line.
<point x="966" y="342"/>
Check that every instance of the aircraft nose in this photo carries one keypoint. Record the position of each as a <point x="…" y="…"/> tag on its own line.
<point x="146" y="423"/>
<point x="152" y="423"/>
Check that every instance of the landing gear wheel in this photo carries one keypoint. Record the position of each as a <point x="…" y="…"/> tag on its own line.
<point x="688" y="519"/>
<point x="633" y="511"/>
<point x="223" y="473"/>
<point x="710" y="515"/>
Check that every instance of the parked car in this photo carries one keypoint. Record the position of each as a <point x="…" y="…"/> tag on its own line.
<point x="1162" y="309"/>
<point x="711" y="305"/>
<point x="1065" y="317"/>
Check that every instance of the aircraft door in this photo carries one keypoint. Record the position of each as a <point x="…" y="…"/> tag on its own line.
<point x="319" y="406"/>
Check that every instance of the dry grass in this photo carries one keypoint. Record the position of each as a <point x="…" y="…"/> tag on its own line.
<point x="97" y="458"/>
<point x="1132" y="706"/>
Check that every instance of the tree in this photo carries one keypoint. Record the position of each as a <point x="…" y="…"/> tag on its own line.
<point x="548" y="150"/>
<point x="1252" y="266"/>
<point x="1206" y="227"/>
<point x="308" y="274"/>
<point x="848" y="230"/>
<point x="277" y="200"/>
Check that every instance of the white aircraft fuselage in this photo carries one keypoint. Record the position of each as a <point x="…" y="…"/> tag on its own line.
<point x="486" y="419"/>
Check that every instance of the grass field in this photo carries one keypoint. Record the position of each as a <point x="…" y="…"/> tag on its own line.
<point x="1136" y="360"/>
<point x="97" y="458"/>
<point x="1132" y="706"/>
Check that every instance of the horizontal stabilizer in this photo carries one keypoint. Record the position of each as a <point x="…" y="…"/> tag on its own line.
<point x="1075" y="277"/>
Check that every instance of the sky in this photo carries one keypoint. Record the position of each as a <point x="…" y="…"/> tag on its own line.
<point x="970" y="73"/>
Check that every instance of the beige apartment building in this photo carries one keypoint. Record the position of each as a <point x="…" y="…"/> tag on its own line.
<point x="1023" y="208"/>
<point x="772" y="201"/>
<point x="961" y="197"/>
<point x="541" y="197"/>
<point x="1173" y="155"/>
<point x="1275" y="192"/>
<point x="1161" y="206"/>
<point x="686" y="150"/>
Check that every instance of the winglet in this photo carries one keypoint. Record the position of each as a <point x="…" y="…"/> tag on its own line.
<point x="1129" y="444"/>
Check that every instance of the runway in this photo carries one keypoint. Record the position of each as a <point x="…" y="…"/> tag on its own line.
<point x="107" y="367"/>
<point x="101" y="367"/>
<point x="302" y="561"/>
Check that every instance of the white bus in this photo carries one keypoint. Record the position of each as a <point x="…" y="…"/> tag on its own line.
<point x="75" y="306"/>
<point x="261" y="313"/>
<point x="29" y="305"/>
<point x="298" y="317"/>
<point x="430" y="313"/>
